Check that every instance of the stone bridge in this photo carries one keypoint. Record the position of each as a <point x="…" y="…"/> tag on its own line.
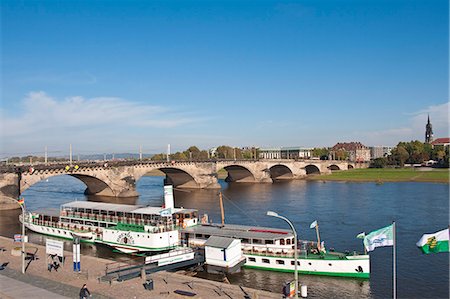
<point x="118" y="179"/>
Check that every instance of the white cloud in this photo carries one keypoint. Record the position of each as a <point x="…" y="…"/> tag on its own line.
<point x="45" y="120"/>
<point x="415" y="128"/>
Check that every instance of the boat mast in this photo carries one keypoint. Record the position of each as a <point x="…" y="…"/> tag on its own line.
<point x="318" y="236"/>
<point x="221" y="209"/>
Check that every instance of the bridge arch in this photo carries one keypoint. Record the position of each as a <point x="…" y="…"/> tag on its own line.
<point x="238" y="173"/>
<point x="334" y="167"/>
<point x="280" y="172"/>
<point x="312" y="169"/>
<point x="94" y="186"/>
<point x="349" y="166"/>
<point x="178" y="177"/>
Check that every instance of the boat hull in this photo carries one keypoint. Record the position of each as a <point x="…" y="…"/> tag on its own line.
<point x="348" y="266"/>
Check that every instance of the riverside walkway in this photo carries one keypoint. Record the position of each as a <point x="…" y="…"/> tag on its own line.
<point x="66" y="284"/>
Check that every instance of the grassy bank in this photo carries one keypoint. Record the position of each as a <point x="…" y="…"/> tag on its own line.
<point x="388" y="175"/>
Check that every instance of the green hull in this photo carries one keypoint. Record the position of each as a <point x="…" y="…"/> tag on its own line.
<point x="337" y="274"/>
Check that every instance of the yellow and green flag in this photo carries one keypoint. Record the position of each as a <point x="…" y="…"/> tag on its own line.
<point x="434" y="243"/>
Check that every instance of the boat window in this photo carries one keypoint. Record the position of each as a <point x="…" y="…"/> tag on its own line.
<point x="293" y="241"/>
<point x="207" y="236"/>
<point x="251" y="259"/>
<point x="187" y="216"/>
<point x="288" y="241"/>
<point x="128" y="215"/>
<point x="245" y="240"/>
<point x="266" y="261"/>
<point x="88" y="211"/>
<point x="120" y="214"/>
<point x="257" y="241"/>
<point x="329" y="264"/>
<point x="281" y="241"/>
<point x="280" y="262"/>
<point x="293" y="263"/>
<point x="269" y="241"/>
<point x="111" y="213"/>
<point x="198" y="236"/>
<point x="195" y="214"/>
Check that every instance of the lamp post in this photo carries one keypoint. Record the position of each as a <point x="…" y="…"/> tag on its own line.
<point x="274" y="214"/>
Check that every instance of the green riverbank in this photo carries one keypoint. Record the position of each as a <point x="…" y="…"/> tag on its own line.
<point x="387" y="175"/>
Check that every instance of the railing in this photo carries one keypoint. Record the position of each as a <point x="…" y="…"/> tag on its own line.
<point x="173" y="253"/>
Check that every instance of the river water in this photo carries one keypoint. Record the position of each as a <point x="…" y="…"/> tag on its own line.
<point x="342" y="209"/>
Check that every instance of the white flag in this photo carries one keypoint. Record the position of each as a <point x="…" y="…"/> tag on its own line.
<point x="314" y="224"/>
<point x="379" y="238"/>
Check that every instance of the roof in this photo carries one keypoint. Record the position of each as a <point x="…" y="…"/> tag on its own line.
<point x="136" y="209"/>
<point x="101" y="206"/>
<point x="349" y="146"/>
<point x="219" y="242"/>
<point x="440" y="141"/>
<point x="240" y="231"/>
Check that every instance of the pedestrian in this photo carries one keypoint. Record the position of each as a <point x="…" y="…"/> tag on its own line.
<point x="84" y="292"/>
<point x="49" y="262"/>
<point x="56" y="263"/>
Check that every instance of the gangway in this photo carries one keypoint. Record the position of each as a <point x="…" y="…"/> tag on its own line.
<point x="174" y="259"/>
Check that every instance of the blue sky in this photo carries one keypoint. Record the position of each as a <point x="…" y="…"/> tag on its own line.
<point x="109" y="76"/>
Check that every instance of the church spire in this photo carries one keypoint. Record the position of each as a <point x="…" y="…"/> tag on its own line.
<point x="428" y="131"/>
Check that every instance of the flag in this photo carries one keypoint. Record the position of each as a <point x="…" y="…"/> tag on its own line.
<point x="379" y="238"/>
<point x="361" y="235"/>
<point x="21" y="201"/>
<point x="437" y="242"/>
<point x="314" y="224"/>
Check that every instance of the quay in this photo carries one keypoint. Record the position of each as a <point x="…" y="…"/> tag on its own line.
<point x="65" y="283"/>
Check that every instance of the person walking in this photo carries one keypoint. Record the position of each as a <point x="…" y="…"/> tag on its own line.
<point x="84" y="292"/>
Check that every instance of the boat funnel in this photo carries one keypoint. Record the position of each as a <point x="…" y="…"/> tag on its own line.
<point x="168" y="197"/>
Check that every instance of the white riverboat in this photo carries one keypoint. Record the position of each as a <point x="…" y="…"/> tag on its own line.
<point x="128" y="228"/>
<point x="272" y="249"/>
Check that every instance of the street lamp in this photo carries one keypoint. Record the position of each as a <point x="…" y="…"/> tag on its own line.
<point x="23" y="233"/>
<point x="274" y="214"/>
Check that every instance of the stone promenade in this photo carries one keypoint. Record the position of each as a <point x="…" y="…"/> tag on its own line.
<point x="66" y="284"/>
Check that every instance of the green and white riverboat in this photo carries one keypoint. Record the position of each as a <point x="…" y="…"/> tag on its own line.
<point x="272" y="249"/>
<point x="127" y="228"/>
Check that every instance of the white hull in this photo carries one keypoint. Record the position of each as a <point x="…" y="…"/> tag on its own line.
<point x="357" y="266"/>
<point x="350" y="266"/>
<point x="124" y="241"/>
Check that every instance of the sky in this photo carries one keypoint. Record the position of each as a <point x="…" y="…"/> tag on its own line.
<point x="111" y="76"/>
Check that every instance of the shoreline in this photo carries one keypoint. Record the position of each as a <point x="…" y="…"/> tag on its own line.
<point x="67" y="283"/>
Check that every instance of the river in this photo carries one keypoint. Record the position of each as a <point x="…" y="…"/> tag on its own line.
<point x="342" y="209"/>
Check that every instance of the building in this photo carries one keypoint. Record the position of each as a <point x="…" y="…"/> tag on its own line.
<point x="428" y="131"/>
<point x="353" y="151"/>
<point x="380" y="151"/>
<point x="445" y="142"/>
<point x="285" y="153"/>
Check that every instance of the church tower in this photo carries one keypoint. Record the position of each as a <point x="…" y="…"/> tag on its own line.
<point x="428" y="131"/>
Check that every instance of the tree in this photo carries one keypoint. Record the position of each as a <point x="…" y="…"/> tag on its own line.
<point x="379" y="163"/>
<point x="321" y="153"/>
<point x="400" y="155"/>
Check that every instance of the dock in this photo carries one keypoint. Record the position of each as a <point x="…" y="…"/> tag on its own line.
<point x="66" y="283"/>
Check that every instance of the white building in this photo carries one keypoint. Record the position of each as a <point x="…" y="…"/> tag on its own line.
<point x="380" y="151"/>
<point x="223" y="253"/>
<point x="285" y="153"/>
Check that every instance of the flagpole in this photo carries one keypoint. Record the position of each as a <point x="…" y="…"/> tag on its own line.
<point x="394" y="276"/>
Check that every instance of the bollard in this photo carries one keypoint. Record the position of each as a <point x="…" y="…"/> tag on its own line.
<point x="143" y="274"/>
<point x="304" y="291"/>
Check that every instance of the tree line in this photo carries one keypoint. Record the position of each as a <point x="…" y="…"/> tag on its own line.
<point x="221" y="152"/>
<point x="414" y="152"/>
